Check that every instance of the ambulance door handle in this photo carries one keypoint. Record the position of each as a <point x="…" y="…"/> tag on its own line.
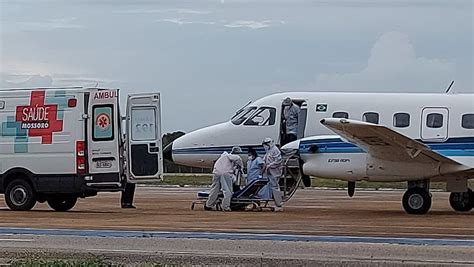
<point x="154" y="148"/>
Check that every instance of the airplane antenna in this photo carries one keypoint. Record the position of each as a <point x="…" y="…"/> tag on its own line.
<point x="449" y="87"/>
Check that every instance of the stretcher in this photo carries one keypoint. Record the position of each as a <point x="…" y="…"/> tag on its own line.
<point x="247" y="197"/>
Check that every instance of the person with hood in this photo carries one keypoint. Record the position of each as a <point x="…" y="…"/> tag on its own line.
<point x="291" y="113"/>
<point x="222" y="179"/>
<point x="273" y="169"/>
<point x="255" y="166"/>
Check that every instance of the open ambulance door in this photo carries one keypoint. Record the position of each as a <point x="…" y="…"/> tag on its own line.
<point x="143" y="123"/>
<point x="103" y="137"/>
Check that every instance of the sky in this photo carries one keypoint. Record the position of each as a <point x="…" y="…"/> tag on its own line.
<point x="208" y="58"/>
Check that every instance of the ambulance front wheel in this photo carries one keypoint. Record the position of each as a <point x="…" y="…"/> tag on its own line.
<point x="62" y="203"/>
<point x="20" y="196"/>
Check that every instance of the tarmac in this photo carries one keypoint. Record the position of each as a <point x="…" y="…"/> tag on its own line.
<point x="323" y="227"/>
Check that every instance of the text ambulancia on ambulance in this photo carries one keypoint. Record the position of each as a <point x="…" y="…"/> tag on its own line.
<point x="59" y="144"/>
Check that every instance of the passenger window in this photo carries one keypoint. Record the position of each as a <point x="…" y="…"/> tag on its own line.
<point x="103" y="123"/>
<point x="434" y="120"/>
<point x="401" y="120"/>
<point x="342" y="115"/>
<point x="371" y="117"/>
<point x="263" y="117"/>
<point x="238" y="119"/>
<point x="468" y="121"/>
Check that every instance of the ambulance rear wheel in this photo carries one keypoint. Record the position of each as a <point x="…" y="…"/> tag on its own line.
<point x="62" y="203"/>
<point x="20" y="196"/>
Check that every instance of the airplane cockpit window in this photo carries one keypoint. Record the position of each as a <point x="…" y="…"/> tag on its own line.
<point x="263" y="117"/>
<point x="401" y="120"/>
<point x="242" y="115"/>
<point x="340" y="114"/>
<point x="371" y="117"/>
<point x="468" y="121"/>
<point x="239" y="112"/>
<point x="434" y="120"/>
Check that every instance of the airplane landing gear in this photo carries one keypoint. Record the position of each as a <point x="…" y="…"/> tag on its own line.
<point x="462" y="201"/>
<point x="417" y="200"/>
<point x="351" y="188"/>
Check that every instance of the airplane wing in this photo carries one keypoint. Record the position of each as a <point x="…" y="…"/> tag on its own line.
<point x="384" y="143"/>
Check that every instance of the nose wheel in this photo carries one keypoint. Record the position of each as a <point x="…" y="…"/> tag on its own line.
<point x="417" y="201"/>
<point x="462" y="201"/>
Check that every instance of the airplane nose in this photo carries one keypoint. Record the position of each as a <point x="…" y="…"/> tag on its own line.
<point x="168" y="152"/>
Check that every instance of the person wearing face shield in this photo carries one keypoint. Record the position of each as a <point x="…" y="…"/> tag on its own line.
<point x="273" y="170"/>
<point x="290" y="114"/>
<point x="222" y="179"/>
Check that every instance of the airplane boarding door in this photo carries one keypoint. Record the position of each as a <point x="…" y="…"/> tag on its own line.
<point x="434" y="124"/>
<point x="145" y="158"/>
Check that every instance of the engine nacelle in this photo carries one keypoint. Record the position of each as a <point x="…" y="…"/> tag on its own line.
<point x="350" y="167"/>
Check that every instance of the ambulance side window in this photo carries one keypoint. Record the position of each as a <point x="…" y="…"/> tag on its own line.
<point x="103" y="116"/>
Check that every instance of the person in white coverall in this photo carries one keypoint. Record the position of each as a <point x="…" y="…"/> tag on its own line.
<point x="291" y="114"/>
<point x="222" y="179"/>
<point x="273" y="170"/>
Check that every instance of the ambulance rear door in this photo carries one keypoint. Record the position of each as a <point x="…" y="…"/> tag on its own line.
<point x="103" y="138"/>
<point x="143" y="123"/>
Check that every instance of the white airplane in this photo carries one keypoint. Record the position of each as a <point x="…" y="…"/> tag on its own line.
<point x="417" y="138"/>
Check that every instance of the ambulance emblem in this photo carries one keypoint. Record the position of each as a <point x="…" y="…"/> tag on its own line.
<point x="103" y="121"/>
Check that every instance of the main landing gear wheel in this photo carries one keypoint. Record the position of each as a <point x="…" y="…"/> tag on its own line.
<point x="462" y="201"/>
<point x="63" y="203"/>
<point x="417" y="201"/>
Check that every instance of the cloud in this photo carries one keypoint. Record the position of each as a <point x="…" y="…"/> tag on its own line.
<point x="185" y="22"/>
<point x="8" y="80"/>
<point x="169" y="10"/>
<point x="51" y="24"/>
<point x="252" y="24"/>
<point x="24" y="81"/>
<point x="393" y="66"/>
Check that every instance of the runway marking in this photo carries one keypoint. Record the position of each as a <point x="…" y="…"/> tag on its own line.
<point x="16" y="240"/>
<point x="238" y="236"/>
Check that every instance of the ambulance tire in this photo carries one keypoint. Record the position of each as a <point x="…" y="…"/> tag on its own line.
<point x="62" y="203"/>
<point x="20" y="196"/>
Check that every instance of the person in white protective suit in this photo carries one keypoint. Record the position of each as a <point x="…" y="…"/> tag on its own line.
<point x="255" y="166"/>
<point x="273" y="170"/>
<point x="222" y="179"/>
<point x="291" y="113"/>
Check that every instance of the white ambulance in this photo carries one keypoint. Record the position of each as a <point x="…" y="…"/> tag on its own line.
<point x="61" y="144"/>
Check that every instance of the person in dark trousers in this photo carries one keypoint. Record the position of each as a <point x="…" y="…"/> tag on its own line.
<point x="127" y="196"/>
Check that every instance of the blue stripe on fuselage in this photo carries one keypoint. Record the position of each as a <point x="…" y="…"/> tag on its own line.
<point x="217" y="150"/>
<point x="463" y="146"/>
